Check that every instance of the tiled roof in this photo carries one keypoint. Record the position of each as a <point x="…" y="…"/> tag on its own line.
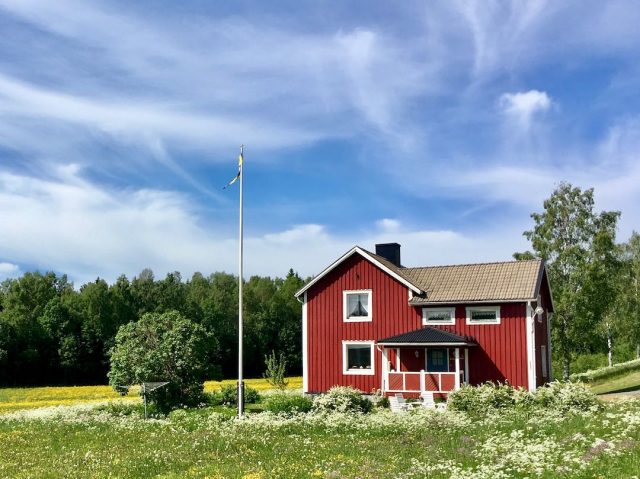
<point x="483" y="282"/>
<point x="426" y="335"/>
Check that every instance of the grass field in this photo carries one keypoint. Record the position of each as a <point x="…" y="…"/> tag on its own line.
<point x="13" y="399"/>
<point x="113" y="441"/>
<point x="625" y="383"/>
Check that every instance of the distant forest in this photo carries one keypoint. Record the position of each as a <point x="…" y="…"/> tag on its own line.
<point x="51" y="333"/>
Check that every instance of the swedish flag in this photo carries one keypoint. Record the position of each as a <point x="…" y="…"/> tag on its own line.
<point x="240" y="160"/>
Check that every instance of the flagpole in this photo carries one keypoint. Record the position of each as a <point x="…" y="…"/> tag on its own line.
<point x="240" y="251"/>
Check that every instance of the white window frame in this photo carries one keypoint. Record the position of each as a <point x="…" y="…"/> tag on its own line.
<point x="427" y="322"/>
<point x="345" y="306"/>
<point x="495" y="309"/>
<point x="358" y="372"/>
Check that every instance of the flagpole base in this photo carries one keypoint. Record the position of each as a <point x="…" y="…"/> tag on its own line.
<point x="240" y="398"/>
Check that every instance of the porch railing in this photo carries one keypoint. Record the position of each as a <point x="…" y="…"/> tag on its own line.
<point x="419" y="381"/>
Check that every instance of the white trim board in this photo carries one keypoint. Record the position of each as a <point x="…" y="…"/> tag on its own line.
<point x="367" y="256"/>
<point x="531" y="345"/>
<point x="305" y="345"/>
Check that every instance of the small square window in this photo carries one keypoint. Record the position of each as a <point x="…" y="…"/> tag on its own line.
<point x="358" y="357"/>
<point x="438" y="316"/>
<point x="483" y="315"/>
<point x="357" y="306"/>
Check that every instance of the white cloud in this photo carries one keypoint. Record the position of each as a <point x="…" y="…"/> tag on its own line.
<point x="388" y="225"/>
<point x="9" y="270"/>
<point x="74" y="226"/>
<point x="522" y="106"/>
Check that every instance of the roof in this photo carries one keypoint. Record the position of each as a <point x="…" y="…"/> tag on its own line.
<point x="427" y="336"/>
<point x="507" y="281"/>
<point x="384" y="264"/>
<point x="483" y="282"/>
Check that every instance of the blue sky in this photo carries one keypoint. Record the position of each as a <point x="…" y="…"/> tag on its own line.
<point x="440" y="125"/>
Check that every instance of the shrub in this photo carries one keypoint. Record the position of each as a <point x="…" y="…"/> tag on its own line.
<point x="276" y="370"/>
<point x="163" y="347"/>
<point x="485" y="396"/>
<point x="283" y="403"/>
<point x="566" y="396"/>
<point x="561" y="396"/>
<point x="228" y="396"/>
<point x="342" y="399"/>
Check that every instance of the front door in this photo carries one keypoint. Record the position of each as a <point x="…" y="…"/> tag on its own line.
<point x="437" y="361"/>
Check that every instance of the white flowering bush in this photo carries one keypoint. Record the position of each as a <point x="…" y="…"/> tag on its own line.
<point x="342" y="399"/>
<point x="558" y="395"/>
<point x="566" y="396"/>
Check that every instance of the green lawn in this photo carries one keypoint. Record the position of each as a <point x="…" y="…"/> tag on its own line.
<point x="79" y="442"/>
<point x="624" y="383"/>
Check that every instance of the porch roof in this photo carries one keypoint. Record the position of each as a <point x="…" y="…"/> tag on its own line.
<point x="427" y="336"/>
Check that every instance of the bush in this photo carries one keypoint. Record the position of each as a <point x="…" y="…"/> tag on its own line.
<point x="342" y="399"/>
<point x="275" y="373"/>
<point x="163" y="347"/>
<point x="228" y="396"/>
<point x="283" y="403"/>
<point x="566" y="396"/>
<point x="561" y="396"/>
<point x="485" y="396"/>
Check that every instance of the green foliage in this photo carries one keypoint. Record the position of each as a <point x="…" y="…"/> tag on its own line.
<point x="275" y="373"/>
<point x="164" y="347"/>
<point x="284" y="403"/>
<point x="52" y="334"/>
<point x="342" y="399"/>
<point x="579" y="247"/>
<point x="562" y="396"/>
<point x="566" y="396"/>
<point x="228" y="396"/>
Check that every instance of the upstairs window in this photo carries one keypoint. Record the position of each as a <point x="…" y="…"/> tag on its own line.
<point x="438" y="316"/>
<point x="483" y="315"/>
<point x="357" y="305"/>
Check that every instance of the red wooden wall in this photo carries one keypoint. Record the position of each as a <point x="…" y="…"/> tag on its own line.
<point x="499" y="356"/>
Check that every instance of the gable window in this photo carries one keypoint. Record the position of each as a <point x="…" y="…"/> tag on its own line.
<point x="357" y="357"/>
<point x="483" y="315"/>
<point x="357" y="305"/>
<point x="438" y="316"/>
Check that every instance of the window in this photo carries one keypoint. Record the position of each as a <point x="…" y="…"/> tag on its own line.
<point x="438" y="316"/>
<point x="357" y="306"/>
<point x="543" y="362"/>
<point x="437" y="360"/>
<point x="357" y="357"/>
<point x="483" y="315"/>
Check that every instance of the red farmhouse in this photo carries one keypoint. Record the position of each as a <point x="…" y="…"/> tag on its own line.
<point x="371" y="323"/>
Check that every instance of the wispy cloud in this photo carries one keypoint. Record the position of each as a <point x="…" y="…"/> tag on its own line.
<point x="522" y="106"/>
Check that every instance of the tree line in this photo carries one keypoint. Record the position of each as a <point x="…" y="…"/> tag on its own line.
<point x="594" y="279"/>
<point x="52" y="333"/>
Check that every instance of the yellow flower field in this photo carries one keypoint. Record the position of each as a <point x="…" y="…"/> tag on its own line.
<point x="12" y="399"/>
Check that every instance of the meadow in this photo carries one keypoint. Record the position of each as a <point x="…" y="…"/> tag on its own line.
<point x="13" y="399"/>
<point x="88" y="441"/>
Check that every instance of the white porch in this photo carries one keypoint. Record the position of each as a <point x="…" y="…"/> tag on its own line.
<point x="428" y="359"/>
